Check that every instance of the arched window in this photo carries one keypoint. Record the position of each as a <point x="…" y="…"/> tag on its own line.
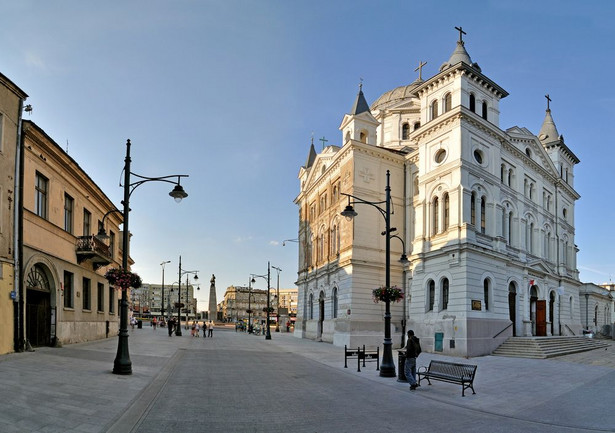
<point x="530" y="238"/>
<point x="510" y="227"/>
<point x="446" y="212"/>
<point x="347" y="138"/>
<point x="405" y="131"/>
<point x="547" y="252"/>
<point x="484" y="110"/>
<point x="417" y="125"/>
<point x="473" y="209"/>
<point x="510" y="174"/>
<point x="472" y="103"/>
<point x="502" y="171"/>
<point x="448" y="102"/>
<point x="445" y="293"/>
<point x="363" y="137"/>
<point x="334" y="302"/>
<point x="486" y="287"/>
<point x="434" y="109"/>
<point x="436" y="210"/>
<point x="565" y="253"/>
<point x="570" y="302"/>
<point x="483" y="214"/>
<point x="432" y="294"/>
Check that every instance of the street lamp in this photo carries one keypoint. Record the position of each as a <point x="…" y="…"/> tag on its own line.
<point x="162" y="308"/>
<point x="178" y="331"/>
<point x="249" y="311"/>
<point x="268" y="278"/>
<point x="277" y="296"/>
<point x="122" y="363"/>
<point x="404" y="262"/>
<point x="387" y="367"/>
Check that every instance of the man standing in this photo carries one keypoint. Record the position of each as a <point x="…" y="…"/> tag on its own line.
<point x="413" y="350"/>
<point x="210" y="328"/>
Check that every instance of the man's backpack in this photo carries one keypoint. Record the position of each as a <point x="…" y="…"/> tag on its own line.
<point x="417" y="346"/>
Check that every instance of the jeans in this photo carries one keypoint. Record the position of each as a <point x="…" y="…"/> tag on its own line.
<point x="410" y="370"/>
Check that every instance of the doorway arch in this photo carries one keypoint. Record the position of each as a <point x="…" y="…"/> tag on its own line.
<point x="512" y="307"/>
<point x="40" y="306"/>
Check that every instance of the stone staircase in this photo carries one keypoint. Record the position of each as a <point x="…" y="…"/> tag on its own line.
<point x="547" y="347"/>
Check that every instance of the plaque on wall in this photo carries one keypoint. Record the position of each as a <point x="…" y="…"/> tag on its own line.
<point x="476" y="305"/>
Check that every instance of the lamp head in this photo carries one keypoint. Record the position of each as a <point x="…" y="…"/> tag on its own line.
<point x="349" y="212"/>
<point x="196" y="277"/>
<point x="102" y="234"/>
<point x="178" y="193"/>
<point x="404" y="260"/>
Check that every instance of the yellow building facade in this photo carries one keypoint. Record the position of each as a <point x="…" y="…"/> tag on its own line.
<point x="66" y="297"/>
<point x="11" y="104"/>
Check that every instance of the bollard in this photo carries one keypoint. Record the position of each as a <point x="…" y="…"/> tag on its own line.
<point x="401" y="366"/>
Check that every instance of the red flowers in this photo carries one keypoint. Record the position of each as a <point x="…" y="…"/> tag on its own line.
<point x="394" y="294"/>
<point x="123" y="278"/>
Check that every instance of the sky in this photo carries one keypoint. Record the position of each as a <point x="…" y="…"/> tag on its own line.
<point x="232" y="92"/>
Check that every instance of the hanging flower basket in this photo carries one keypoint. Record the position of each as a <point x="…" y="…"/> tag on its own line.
<point x="383" y="294"/>
<point x="123" y="278"/>
<point x="270" y="310"/>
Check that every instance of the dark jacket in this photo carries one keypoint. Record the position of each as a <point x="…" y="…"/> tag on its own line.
<point x="413" y="347"/>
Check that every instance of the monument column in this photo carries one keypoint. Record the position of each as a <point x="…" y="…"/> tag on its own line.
<point x="212" y="299"/>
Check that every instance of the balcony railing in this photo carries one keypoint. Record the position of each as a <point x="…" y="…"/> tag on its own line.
<point x="93" y="249"/>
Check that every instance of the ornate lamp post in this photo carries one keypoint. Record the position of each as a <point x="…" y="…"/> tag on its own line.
<point x="249" y="311"/>
<point x="277" y="297"/>
<point x="178" y="331"/>
<point x="122" y="363"/>
<point x="387" y="367"/>
<point x="268" y="278"/>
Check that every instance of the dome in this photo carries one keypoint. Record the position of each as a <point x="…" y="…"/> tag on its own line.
<point x="395" y="95"/>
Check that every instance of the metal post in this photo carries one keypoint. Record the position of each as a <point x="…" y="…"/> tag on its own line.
<point x="122" y="363"/>
<point x="268" y="336"/>
<point x="387" y="369"/>
<point x="178" y="329"/>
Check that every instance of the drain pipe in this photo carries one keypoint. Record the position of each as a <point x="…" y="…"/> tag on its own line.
<point x="404" y="273"/>
<point x="18" y="306"/>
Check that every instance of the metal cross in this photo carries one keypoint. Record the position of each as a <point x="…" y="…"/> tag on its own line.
<point x="548" y="101"/>
<point x="420" y="68"/>
<point x="323" y="141"/>
<point x="360" y="84"/>
<point x="461" y="33"/>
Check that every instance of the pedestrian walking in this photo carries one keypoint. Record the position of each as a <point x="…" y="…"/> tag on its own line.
<point x="154" y="323"/>
<point x="210" y="329"/>
<point x="170" y="326"/>
<point x="133" y="321"/>
<point x="197" y="330"/>
<point x="204" y="329"/>
<point x="413" y="350"/>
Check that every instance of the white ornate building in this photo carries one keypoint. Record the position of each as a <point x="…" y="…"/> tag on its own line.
<point x="486" y="216"/>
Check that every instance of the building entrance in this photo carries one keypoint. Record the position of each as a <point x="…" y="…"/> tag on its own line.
<point x="40" y="331"/>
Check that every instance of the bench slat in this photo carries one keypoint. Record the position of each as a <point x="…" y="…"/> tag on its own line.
<point x="462" y="374"/>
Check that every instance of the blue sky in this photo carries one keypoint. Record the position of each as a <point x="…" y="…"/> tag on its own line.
<point x="230" y="92"/>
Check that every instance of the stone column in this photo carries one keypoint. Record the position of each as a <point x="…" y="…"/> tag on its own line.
<point x="212" y="298"/>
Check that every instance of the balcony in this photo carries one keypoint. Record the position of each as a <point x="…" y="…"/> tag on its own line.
<point x="93" y="249"/>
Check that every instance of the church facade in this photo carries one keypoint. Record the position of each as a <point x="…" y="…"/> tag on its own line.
<point x="485" y="216"/>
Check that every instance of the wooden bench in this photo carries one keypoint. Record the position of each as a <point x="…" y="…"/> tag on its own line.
<point x="362" y="355"/>
<point x="462" y="374"/>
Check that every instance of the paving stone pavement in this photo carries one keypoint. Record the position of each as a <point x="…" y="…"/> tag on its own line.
<point x="237" y="382"/>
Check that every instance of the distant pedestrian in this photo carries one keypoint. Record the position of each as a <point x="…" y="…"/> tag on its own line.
<point x="288" y="326"/>
<point x="133" y="321"/>
<point x="170" y="326"/>
<point x="197" y="330"/>
<point x="210" y="329"/>
<point x="154" y="323"/>
<point x="413" y="350"/>
<point x="204" y="329"/>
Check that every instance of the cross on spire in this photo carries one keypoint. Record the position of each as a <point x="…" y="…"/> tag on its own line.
<point x="548" y="102"/>
<point x="461" y="33"/>
<point x="420" y="68"/>
<point x="360" y="84"/>
<point x="324" y="140"/>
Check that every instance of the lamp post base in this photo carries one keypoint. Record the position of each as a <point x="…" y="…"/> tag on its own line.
<point x="122" y="363"/>
<point x="387" y="367"/>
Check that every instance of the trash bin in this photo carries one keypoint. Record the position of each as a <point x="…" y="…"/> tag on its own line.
<point x="401" y="366"/>
<point x="139" y="324"/>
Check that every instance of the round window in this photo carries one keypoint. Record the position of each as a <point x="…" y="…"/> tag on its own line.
<point x="440" y="156"/>
<point x="478" y="156"/>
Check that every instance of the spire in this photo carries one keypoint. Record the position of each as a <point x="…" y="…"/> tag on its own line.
<point x="311" y="155"/>
<point x="360" y="104"/>
<point x="460" y="54"/>
<point x="548" y="131"/>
